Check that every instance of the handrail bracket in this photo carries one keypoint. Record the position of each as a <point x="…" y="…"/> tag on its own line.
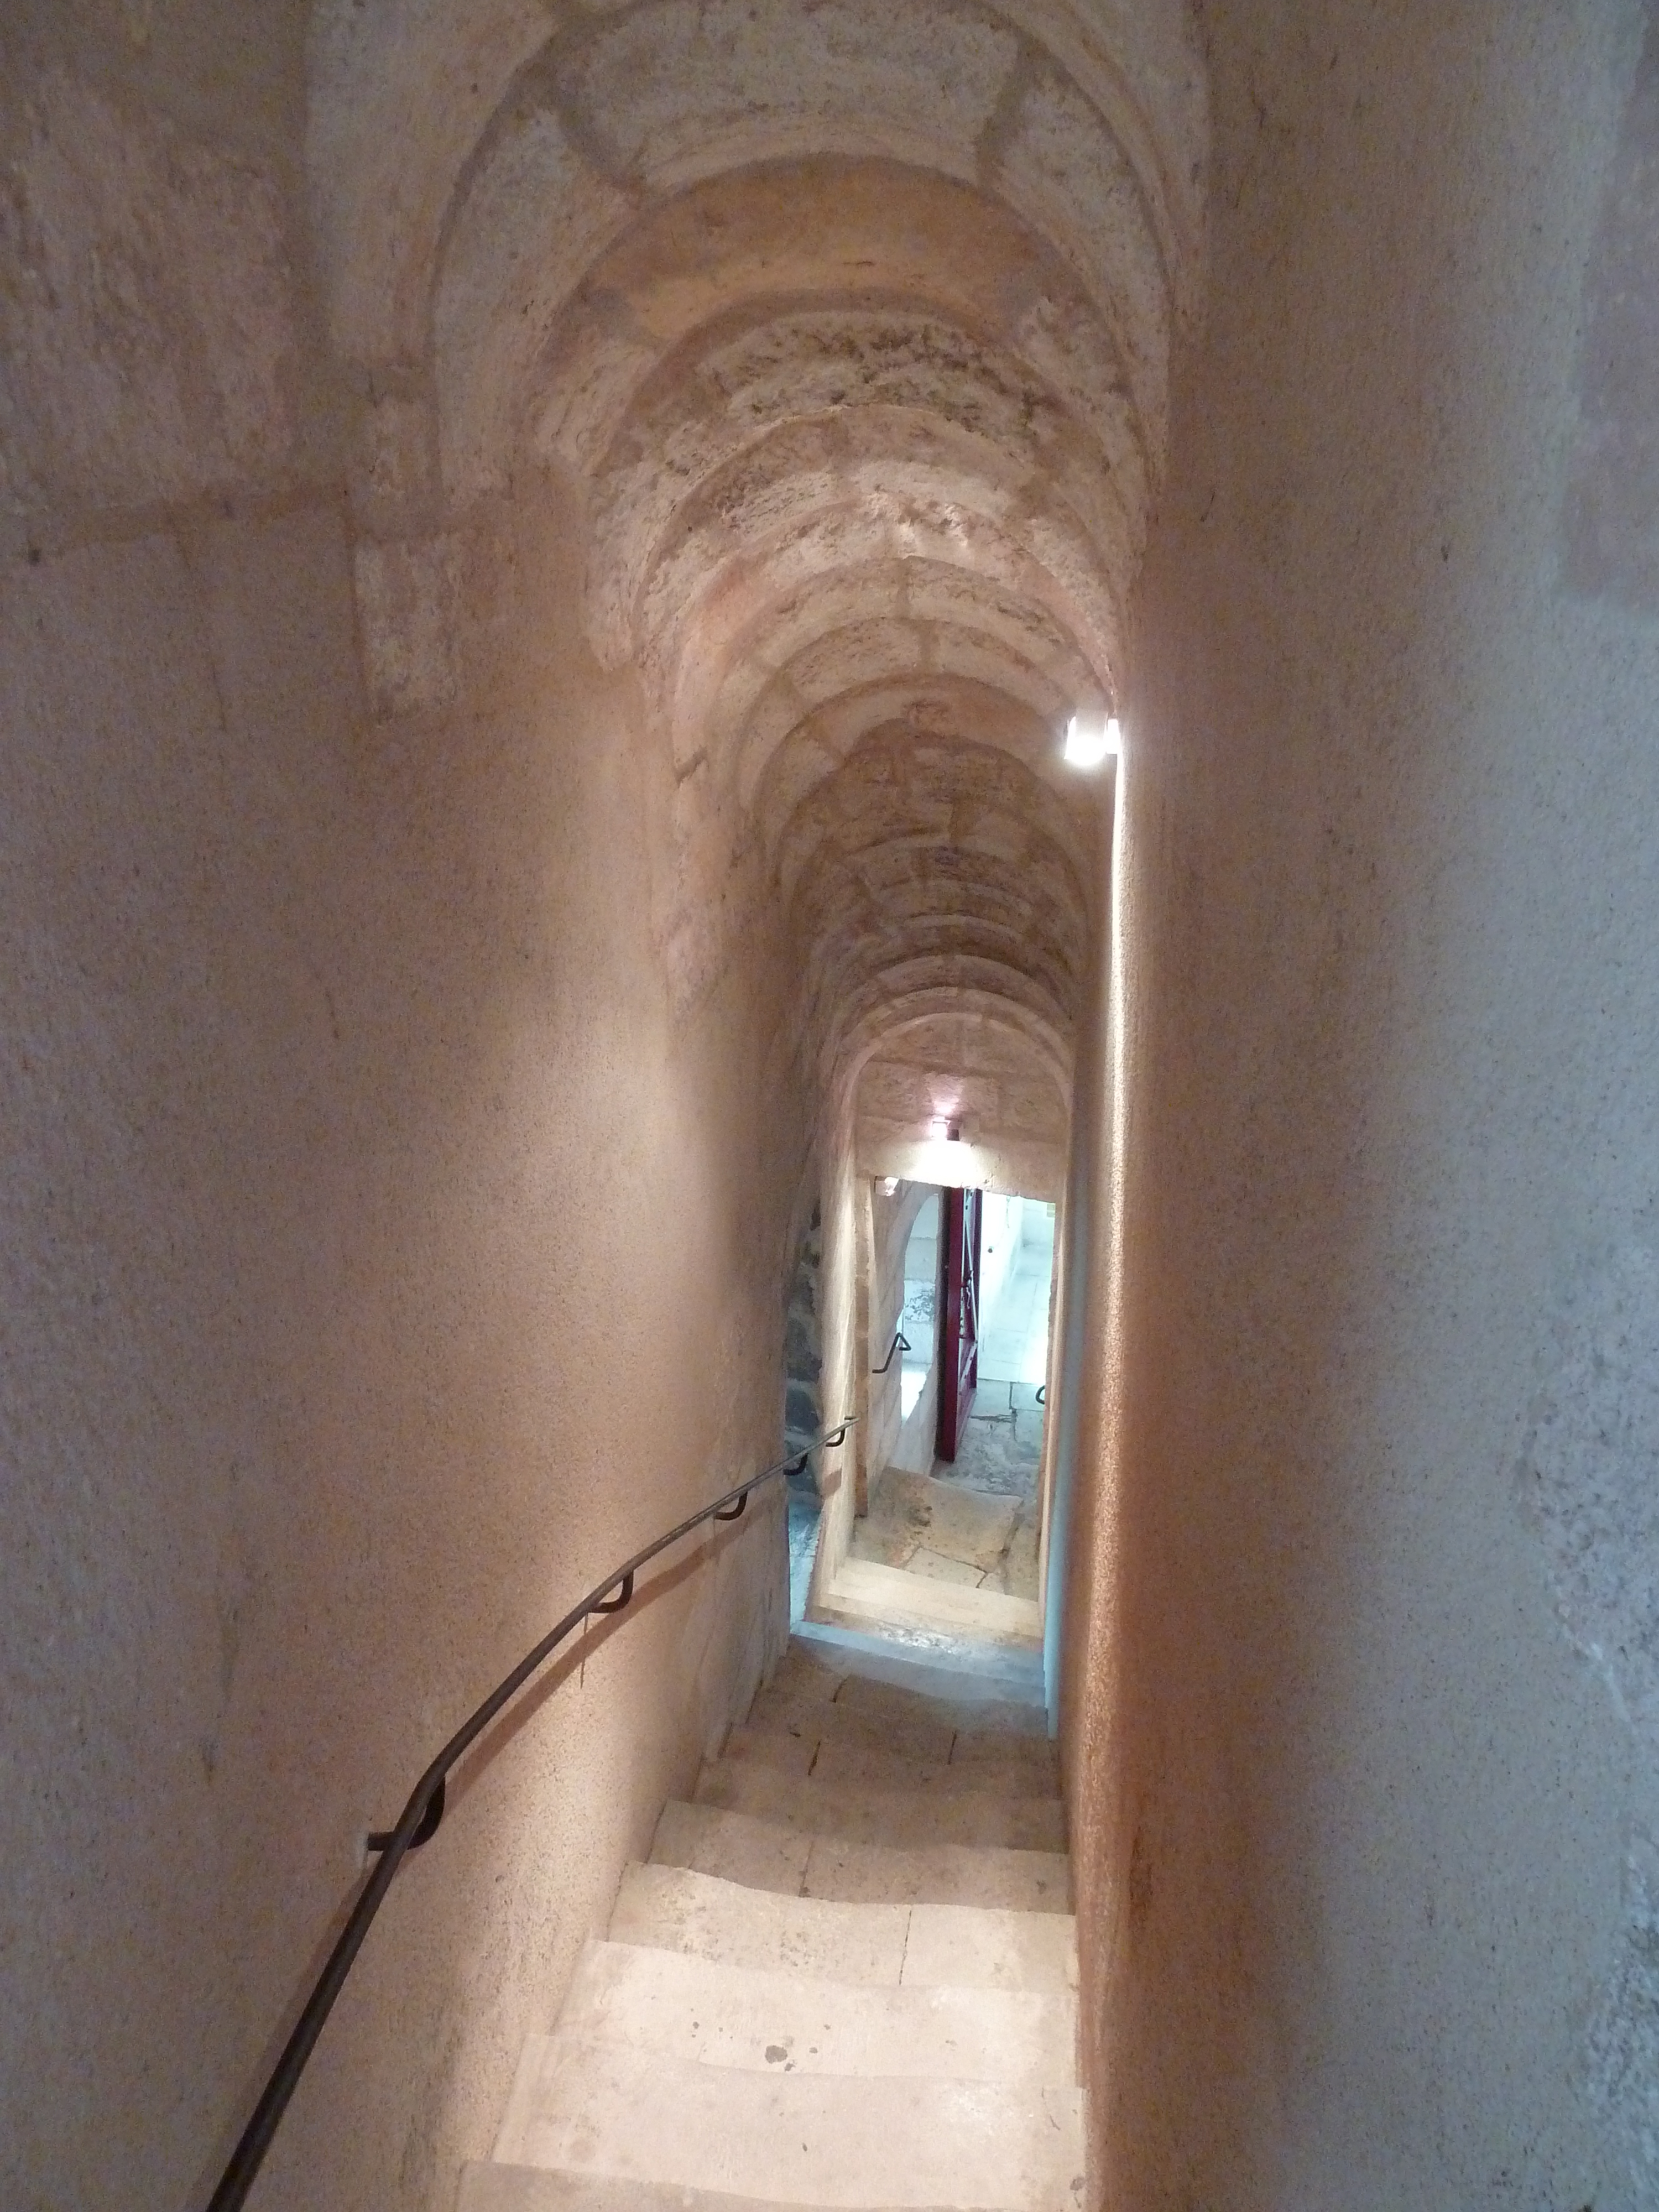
<point x="379" y="1839"/>
<point x="624" y="1596"/>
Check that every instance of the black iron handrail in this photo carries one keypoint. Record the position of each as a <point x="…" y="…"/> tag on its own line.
<point x="900" y="1343"/>
<point x="418" y="1823"/>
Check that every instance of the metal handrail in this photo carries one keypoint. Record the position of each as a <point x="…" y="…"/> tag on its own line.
<point x="418" y="1823"/>
<point x="900" y="1343"/>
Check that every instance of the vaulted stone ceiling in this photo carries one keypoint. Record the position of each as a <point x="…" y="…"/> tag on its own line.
<point x="848" y="321"/>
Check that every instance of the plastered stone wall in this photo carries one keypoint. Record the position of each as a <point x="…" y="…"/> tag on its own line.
<point x="893" y="1216"/>
<point x="546" y="550"/>
<point x="1360" y="1719"/>
<point x="842" y="1472"/>
<point x="803" y="1348"/>
<point x="386" y="1253"/>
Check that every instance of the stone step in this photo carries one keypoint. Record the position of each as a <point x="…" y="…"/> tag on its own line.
<point x="493" y="2188"/>
<point x="909" y="1732"/>
<point x="799" y="2139"/>
<point x="765" y="1855"/>
<point x="898" y="1706"/>
<point x="879" y="1946"/>
<point x="905" y="1818"/>
<point x="678" y="1909"/>
<point x="703" y="2011"/>
<point x="966" y="1529"/>
<point x="896" y="1703"/>
<point x="981" y="1946"/>
<point x="1013" y="1766"/>
<point x="819" y="1658"/>
<point x="866" y="1593"/>
<point x="1029" y="1747"/>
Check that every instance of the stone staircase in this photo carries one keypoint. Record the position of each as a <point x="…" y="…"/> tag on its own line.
<point x="847" y="1976"/>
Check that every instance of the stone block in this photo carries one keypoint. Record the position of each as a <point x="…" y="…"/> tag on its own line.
<point x="408" y="596"/>
<point x="147" y="324"/>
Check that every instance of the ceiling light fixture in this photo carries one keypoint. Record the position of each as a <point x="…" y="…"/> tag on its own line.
<point x="1092" y="739"/>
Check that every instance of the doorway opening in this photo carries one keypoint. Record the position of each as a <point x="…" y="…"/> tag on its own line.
<point x="950" y="1536"/>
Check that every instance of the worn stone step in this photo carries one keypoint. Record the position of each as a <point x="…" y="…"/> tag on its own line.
<point x="765" y="1855"/>
<point x="958" y="1701"/>
<point x="678" y="1909"/>
<point x="930" y="1666"/>
<point x="989" y="1720"/>
<point x="488" y="2187"/>
<point x="799" y="2139"/>
<point x="819" y="1659"/>
<point x="967" y="1528"/>
<point x="906" y="1818"/>
<point x="1009" y="1767"/>
<point x="886" y="1716"/>
<point x="968" y="1946"/>
<point x="1013" y="1766"/>
<point x="1028" y="1747"/>
<point x="715" y="2014"/>
<point x="983" y="1947"/>
<point x="906" y="1735"/>
<point x="865" y="1592"/>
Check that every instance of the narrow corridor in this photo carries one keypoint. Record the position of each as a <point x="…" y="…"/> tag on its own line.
<point x="633" y="634"/>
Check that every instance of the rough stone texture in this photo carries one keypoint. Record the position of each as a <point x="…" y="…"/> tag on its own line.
<point x="532" y="220"/>
<point x="996" y="1084"/>
<point x="952" y="1531"/>
<point x="803" y="1347"/>
<point x="408" y="604"/>
<point x="1611" y="535"/>
<point x="799" y="2138"/>
<point x="1360" y="1921"/>
<point x="1621" y="2045"/>
<point x="840" y="312"/>
<point x="408" y="1031"/>
<point x="147" y="322"/>
<point x="382" y="188"/>
<point x="905" y="1818"/>
<point x="941" y="388"/>
<point x="763" y="484"/>
<point x="1587" y="1471"/>
<point x="716" y="2013"/>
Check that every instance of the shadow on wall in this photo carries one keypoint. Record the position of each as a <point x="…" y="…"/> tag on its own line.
<point x="803" y="1344"/>
<point x="904" y="1268"/>
<point x="803" y="1406"/>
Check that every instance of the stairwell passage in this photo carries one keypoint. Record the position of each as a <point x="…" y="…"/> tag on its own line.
<point x="847" y="1977"/>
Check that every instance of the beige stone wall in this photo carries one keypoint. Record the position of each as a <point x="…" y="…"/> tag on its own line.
<point x="389" y="1247"/>
<point x="546" y="554"/>
<point x="1006" y="1090"/>
<point x="892" y="1219"/>
<point x="1367" y="1789"/>
<point x="842" y="1472"/>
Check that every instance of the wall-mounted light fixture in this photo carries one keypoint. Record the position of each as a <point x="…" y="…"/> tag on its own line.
<point x="1092" y="739"/>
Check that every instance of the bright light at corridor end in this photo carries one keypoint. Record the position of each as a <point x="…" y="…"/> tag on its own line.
<point x="1092" y="739"/>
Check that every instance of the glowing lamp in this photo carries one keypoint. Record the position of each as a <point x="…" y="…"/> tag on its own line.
<point x="1092" y="739"/>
